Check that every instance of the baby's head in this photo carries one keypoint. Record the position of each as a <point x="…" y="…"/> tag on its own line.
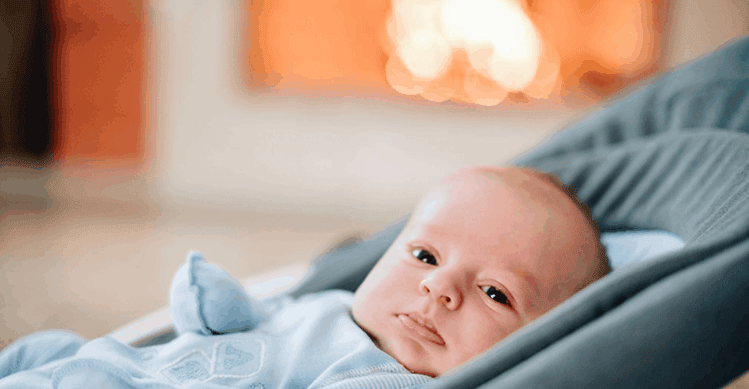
<point x="486" y="251"/>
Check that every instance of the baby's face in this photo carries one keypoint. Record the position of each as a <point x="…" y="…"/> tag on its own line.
<point x="479" y="259"/>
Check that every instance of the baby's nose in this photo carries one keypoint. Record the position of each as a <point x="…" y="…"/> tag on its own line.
<point x="441" y="295"/>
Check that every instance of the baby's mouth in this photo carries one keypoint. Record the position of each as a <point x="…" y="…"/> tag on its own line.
<point x="416" y="326"/>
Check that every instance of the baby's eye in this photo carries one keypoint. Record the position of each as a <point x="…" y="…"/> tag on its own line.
<point x="424" y="256"/>
<point x="496" y="295"/>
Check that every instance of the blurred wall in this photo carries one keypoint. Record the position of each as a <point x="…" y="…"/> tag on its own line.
<point x="700" y="26"/>
<point x="160" y="79"/>
<point x="224" y="147"/>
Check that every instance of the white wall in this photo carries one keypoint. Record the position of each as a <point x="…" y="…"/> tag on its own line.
<point x="700" y="26"/>
<point x="219" y="146"/>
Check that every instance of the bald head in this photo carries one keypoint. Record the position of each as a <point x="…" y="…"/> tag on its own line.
<point x="485" y="252"/>
<point x="568" y="231"/>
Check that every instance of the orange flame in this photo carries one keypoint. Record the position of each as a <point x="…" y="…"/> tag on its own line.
<point x="477" y="51"/>
<point x="480" y="50"/>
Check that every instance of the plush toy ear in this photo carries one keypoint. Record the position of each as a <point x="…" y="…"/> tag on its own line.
<point x="207" y="300"/>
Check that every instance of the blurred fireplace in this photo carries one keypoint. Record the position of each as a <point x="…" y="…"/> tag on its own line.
<point x="516" y="53"/>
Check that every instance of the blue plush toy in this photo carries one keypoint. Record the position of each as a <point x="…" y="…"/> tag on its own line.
<point x="207" y="300"/>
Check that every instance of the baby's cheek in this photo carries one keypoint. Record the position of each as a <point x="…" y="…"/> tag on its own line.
<point x="484" y="335"/>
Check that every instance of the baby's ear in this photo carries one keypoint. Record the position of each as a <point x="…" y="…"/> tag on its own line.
<point x="207" y="300"/>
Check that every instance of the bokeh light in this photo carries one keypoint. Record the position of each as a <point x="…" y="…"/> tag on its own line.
<point x="498" y="39"/>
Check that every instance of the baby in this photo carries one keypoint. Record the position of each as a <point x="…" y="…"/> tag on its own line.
<point x="486" y="251"/>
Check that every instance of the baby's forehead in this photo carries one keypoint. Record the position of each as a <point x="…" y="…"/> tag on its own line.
<point x="521" y="205"/>
<point x="505" y="184"/>
<point x="484" y="203"/>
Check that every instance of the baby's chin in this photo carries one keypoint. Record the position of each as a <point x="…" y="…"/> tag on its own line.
<point x="416" y="366"/>
<point x="411" y="361"/>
